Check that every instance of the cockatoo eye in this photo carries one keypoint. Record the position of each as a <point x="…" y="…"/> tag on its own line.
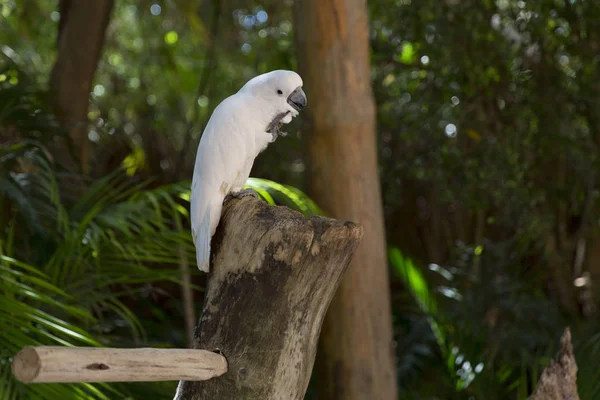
<point x="279" y="91"/>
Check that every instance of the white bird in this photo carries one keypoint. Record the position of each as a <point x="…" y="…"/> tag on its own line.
<point x="239" y="129"/>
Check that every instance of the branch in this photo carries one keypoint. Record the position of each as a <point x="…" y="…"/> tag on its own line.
<point x="97" y="364"/>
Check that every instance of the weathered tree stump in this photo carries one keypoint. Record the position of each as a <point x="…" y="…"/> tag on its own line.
<point x="273" y="275"/>
<point x="559" y="378"/>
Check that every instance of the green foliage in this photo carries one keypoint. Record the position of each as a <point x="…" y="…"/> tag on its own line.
<point x="276" y="193"/>
<point x="587" y="353"/>
<point x="474" y="117"/>
<point x="417" y="285"/>
<point x="78" y="259"/>
<point x="488" y="147"/>
<point x="100" y="251"/>
<point x="26" y="298"/>
<point x="493" y="336"/>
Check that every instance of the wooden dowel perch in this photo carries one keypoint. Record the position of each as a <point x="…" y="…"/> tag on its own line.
<point x="273" y="275"/>
<point x="97" y="364"/>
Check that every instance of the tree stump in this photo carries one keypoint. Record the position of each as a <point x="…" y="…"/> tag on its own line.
<point x="273" y="275"/>
<point x="559" y="378"/>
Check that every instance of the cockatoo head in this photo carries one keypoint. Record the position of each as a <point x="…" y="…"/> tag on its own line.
<point x="280" y="94"/>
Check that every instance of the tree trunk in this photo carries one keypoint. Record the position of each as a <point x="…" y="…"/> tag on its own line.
<point x="273" y="275"/>
<point x="80" y="41"/>
<point x="355" y="355"/>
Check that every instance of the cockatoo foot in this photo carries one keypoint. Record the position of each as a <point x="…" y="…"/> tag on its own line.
<point x="274" y="128"/>
<point x="240" y="195"/>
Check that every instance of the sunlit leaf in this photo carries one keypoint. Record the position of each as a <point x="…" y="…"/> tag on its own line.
<point x="171" y="37"/>
<point x="407" y="54"/>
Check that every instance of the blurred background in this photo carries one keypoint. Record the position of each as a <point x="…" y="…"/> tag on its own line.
<point x="487" y="137"/>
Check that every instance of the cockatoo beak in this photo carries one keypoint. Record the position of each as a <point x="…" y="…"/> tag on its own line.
<point x="297" y="99"/>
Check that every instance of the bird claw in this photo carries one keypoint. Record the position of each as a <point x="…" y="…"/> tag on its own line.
<point x="274" y="127"/>
<point x="240" y="195"/>
<point x="277" y="132"/>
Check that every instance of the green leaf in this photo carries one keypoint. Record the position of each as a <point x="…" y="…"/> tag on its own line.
<point x="407" y="54"/>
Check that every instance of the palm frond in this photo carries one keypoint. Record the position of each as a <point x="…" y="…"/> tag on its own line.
<point x="458" y="367"/>
<point x="26" y="297"/>
<point x="74" y="256"/>
<point x="276" y="193"/>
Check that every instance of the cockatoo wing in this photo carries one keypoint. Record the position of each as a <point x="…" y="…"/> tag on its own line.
<point x="205" y="194"/>
<point x="219" y="159"/>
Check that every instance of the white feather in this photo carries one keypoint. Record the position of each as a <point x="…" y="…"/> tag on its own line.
<point x="234" y="136"/>
<point x="202" y="241"/>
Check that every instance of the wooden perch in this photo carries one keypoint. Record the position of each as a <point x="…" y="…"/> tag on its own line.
<point x="273" y="275"/>
<point x="559" y="378"/>
<point x="97" y="364"/>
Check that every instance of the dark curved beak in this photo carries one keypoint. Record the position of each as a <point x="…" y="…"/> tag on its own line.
<point x="297" y="99"/>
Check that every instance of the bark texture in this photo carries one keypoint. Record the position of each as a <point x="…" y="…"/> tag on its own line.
<point x="559" y="378"/>
<point x="80" y="41"/>
<point x="273" y="275"/>
<point x="355" y="358"/>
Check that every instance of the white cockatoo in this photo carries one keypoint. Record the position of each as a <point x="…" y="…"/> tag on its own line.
<point x="238" y="130"/>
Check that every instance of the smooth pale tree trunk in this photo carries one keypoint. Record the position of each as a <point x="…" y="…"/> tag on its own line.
<point x="80" y="40"/>
<point x="355" y="359"/>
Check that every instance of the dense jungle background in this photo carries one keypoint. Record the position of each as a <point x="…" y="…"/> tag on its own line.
<point x="481" y="207"/>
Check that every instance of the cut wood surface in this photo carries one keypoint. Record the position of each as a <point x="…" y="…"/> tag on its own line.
<point x="99" y="364"/>
<point x="273" y="275"/>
